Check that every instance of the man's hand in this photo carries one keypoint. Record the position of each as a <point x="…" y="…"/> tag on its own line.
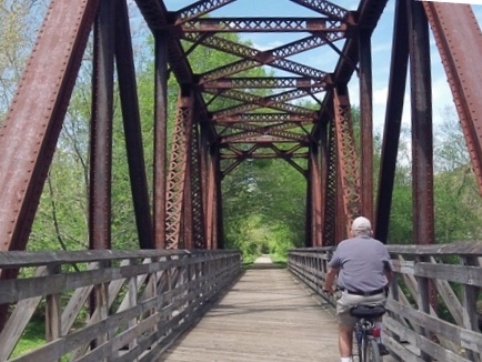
<point x="330" y="277"/>
<point x="328" y="289"/>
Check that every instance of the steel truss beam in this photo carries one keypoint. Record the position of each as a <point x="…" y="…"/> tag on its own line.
<point x="464" y="75"/>
<point x="314" y="172"/>
<point x="251" y="25"/>
<point x="263" y="156"/>
<point x="253" y="102"/>
<point x="368" y="14"/>
<point x="197" y="9"/>
<point x="176" y="178"/>
<point x="272" y="130"/>
<point x="158" y="19"/>
<point x="239" y="156"/>
<point x="347" y="161"/>
<point x="31" y="128"/>
<point x="264" y="82"/>
<point x="252" y="58"/>
<point x="328" y="144"/>
<point x="100" y="208"/>
<point x="132" y="127"/>
<point x="266" y="117"/>
<point x="324" y="7"/>
<point x="422" y="133"/>
<point x="258" y="139"/>
<point x="393" y="120"/>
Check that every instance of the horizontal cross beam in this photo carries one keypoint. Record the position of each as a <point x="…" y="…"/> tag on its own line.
<point x="253" y="25"/>
<point x="264" y="82"/>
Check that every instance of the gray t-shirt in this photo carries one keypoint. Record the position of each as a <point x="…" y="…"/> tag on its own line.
<point x="362" y="261"/>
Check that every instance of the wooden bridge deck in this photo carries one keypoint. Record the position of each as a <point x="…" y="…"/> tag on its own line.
<point x="266" y="316"/>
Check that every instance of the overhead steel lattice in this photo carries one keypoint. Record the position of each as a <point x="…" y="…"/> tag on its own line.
<point x="260" y="103"/>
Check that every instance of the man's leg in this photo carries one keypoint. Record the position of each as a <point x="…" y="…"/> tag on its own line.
<point x="345" y="340"/>
<point x="346" y="323"/>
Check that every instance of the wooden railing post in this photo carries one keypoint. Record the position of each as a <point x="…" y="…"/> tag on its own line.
<point x="423" y="302"/>
<point x="470" y="296"/>
<point x="101" y="306"/>
<point x="53" y="312"/>
<point x="132" y="301"/>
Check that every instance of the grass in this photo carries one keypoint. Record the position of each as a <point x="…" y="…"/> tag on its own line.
<point x="33" y="337"/>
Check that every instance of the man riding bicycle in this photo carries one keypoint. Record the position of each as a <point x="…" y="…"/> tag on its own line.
<point x="364" y="273"/>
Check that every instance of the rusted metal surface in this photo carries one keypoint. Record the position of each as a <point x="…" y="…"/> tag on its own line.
<point x="315" y="177"/>
<point x="32" y="126"/>
<point x="263" y="82"/>
<point x="176" y="178"/>
<point x="330" y="184"/>
<point x="264" y="25"/>
<point x="160" y="141"/>
<point x="347" y="161"/>
<point x="393" y="120"/>
<point x="132" y="128"/>
<point x="423" y="218"/>
<point x="422" y="133"/>
<point x="366" y="124"/>
<point x="199" y="236"/>
<point x="100" y="208"/>
<point x="461" y="52"/>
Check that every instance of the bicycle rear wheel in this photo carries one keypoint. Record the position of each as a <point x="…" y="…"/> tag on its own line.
<point x="358" y="337"/>
<point x="370" y="350"/>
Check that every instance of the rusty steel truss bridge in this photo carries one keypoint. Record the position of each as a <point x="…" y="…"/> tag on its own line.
<point x="183" y="208"/>
<point x="209" y="143"/>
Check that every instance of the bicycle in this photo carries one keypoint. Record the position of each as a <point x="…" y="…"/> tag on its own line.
<point x="366" y="333"/>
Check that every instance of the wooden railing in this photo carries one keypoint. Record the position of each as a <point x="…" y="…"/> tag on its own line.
<point x="110" y="305"/>
<point x="432" y="307"/>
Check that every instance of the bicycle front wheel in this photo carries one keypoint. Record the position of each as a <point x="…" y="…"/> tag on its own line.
<point x="370" y="350"/>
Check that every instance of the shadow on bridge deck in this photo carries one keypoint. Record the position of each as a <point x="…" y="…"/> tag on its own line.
<point x="266" y="316"/>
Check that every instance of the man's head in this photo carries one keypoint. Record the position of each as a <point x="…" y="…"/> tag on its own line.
<point x="361" y="226"/>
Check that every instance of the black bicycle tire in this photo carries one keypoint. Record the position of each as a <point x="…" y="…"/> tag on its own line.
<point x="359" y="344"/>
<point x="372" y="346"/>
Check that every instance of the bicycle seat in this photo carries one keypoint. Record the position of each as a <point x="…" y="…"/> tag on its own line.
<point x="367" y="311"/>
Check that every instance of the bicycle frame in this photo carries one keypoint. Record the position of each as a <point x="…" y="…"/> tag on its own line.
<point x="365" y="335"/>
<point x="365" y="332"/>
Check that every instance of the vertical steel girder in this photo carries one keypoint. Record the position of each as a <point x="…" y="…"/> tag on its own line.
<point x="132" y="127"/>
<point x="100" y="209"/>
<point x="309" y="211"/>
<point x="32" y="126"/>
<point x="176" y="178"/>
<point x="160" y="140"/>
<point x="315" y="177"/>
<point x="393" y="120"/>
<point x="199" y="233"/>
<point x="205" y="186"/>
<point x="187" y="218"/>
<point x="218" y="239"/>
<point x="366" y="123"/>
<point x="422" y="143"/>
<point x="346" y="155"/>
<point x="328" y="144"/>
<point x="210" y="211"/>
<point x="422" y="140"/>
<point x="461" y="51"/>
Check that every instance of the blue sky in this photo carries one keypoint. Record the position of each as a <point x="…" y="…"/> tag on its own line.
<point x="325" y="59"/>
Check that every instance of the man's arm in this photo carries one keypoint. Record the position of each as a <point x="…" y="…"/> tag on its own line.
<point x="388" y="275"/>
<point x="330" y="277"/>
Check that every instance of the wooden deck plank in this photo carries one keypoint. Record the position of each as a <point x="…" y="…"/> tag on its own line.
<point x="266" y="316"/>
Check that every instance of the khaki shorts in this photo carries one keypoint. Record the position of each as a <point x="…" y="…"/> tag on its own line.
<point x="348" y="301"/>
